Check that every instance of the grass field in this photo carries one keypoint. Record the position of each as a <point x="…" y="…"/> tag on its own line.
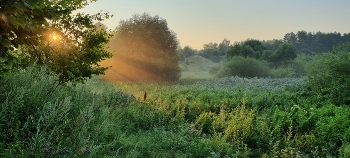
<point x="227" y="117"/>
<point x="197" y="67"/>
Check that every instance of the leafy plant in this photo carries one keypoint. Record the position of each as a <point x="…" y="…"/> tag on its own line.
<point x="332" y="82"/>
<point x="244" y="67"/>
<point x="146" y="45"/>
<point x="46" y="31"/>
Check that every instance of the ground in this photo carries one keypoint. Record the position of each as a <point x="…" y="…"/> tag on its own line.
<point x="197" y="67"/>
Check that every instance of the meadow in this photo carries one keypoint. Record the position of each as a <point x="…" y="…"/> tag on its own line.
<point x="227" y="117"/>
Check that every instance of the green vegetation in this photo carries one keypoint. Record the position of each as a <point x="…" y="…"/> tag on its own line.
<point x="244" y="67"/>
<point x="197" y="67"/>
<point x="328" y="74"/>
<point x="48" y="33"/>
<point x="270" y="98"/>
<point x="252" y="59"/>
<point x="285" y="57"/>
<point x="144" y="49"/>
<point x="226" y="117"/>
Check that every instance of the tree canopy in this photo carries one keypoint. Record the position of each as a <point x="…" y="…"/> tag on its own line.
<point x="284" y="53"/>
<point x="48" y="33"/>
<point x="249" y="48"/>
<point x="186" y="52"/>
<point x="145" y="50"/>
<point x="214" y="51"/>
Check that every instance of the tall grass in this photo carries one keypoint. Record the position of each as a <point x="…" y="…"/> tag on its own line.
<point x="40" y="118"/>
<point x="228" y="117"/>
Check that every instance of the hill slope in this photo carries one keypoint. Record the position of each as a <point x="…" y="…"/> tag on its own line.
<point x="197" y="67"/>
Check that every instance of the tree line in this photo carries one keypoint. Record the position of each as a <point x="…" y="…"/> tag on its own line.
<point x="278" y="58"/>
<point x="305" y="43"/>
<point x="73" y="45"/>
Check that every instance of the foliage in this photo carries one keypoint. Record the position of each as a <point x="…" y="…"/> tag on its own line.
<point x="285" y="52"/>
<point x="295" y="68"/>
<point x="256" y="45"/>
<point x="249" y="48"/>
<point x="244" y="67"/>
<point x="227" y="117"/>
<point x="223" y="46"/>
<point x="214" y="51"/>
<point x="332" y="82"/>
<point x="40" y="118"/>
<point x="146" y="43"/>
<point x="186" y="52"/>
<point x="282" y="72"/>
<point x="311" y="42"/>
<point x="240" y="50"/>
<point x="211" y="51"/>
<point x="28" y="29"/>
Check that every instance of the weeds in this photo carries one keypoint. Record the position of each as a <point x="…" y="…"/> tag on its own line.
<point x="229" y="117"/>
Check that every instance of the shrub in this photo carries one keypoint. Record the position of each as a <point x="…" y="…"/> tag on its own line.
<point x="40" y="118"/>
<point x="244" y="67"/>
<point x="328" y="75"/>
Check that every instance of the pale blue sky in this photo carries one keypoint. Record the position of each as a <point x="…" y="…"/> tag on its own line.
<point x="198" y="22"/>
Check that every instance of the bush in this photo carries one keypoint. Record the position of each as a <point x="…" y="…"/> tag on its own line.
<point x="244" y="67"/>
<point x="41" y="118"/>
<point x="328" y="75"/>
<point x="284" y="53"/>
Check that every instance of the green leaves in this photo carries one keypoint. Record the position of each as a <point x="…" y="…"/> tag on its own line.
<point x="31" y="24"/>
<point x="5" y="42"/>
<point x="146" y="44"/>
<point x="29" y="4"/>
<point x="19" y="6"/>
<point x="328" y="75"/>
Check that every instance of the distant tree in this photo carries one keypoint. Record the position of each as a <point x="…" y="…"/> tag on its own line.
<point x="240" y="50"/>
<point x="210" y="46"/>
<point x="284" y="53"/>
<point x="224" y="46"/>
<point x="145" y="43"/>
<point x="257" y="46"/>
<point x="187" y="51"/>
<point x="290" y="38"/>
<point x="249" y="48"/>
<point x="302" y="37"/>
<point x="272" y="44"/>
<point x="211" y="52"/>
<point x="266" y="55"/>
<point x="311" y="43"/>
<point x="48" y="33"/>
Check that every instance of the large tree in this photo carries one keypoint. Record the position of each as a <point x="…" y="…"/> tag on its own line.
<point x="145" y="50"/>
<point x="48" y="33"/>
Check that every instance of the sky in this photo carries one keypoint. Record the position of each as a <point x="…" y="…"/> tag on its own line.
<point x="198" y="22"/>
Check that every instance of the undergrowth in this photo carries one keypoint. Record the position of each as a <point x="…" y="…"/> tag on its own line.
<point x="229" y="117"/>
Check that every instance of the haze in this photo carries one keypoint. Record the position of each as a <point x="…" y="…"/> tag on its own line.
<point x="198" y="22"/>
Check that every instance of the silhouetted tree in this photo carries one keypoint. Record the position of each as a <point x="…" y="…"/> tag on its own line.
<point x="48" y="33"/>
<point x="145" y="43"/>
<point x="224" y="46"/>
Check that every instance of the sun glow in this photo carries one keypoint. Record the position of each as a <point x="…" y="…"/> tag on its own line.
<point x="54" y="37"/>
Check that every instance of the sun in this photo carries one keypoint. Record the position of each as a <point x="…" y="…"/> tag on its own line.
<point x="54" y="37"/>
